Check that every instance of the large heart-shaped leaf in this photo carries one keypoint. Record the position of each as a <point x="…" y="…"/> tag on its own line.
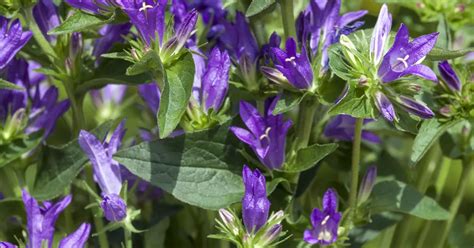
<point x="202" y="168"/>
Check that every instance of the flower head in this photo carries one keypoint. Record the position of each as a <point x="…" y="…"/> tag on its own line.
<point x="148" y="16"/>
<point x="404" y="57"/>
<point x="107" y="171"/>
<point x="267" y="133"/>
<point x="214" y="82"/>
<point x="325" y="222"/>
<point x="322" y="25"/>
<point x="12" y="39"/>
<point x="255" y="204"/>
<point x="41" y="219"/>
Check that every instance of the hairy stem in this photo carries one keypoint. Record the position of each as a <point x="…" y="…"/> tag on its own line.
<point x="288" y="18"/>
<point x="468" y="171"/>
<point x="128" y="238"/>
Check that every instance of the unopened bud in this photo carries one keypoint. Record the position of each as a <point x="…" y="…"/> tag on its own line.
<point x="274" y="75"/>
<point x="76" y="44"/>
<point x="229" y="220"/>
<point x="445" y="111"/>
<point x="270" y="235"/>
<point x="363" y="80"/>
<point x="367" y="184"/>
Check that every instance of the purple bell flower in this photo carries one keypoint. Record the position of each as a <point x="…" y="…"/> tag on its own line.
<point x="267" y="135"/>
<point x="214" y="82"/>
<point x="255" y="204"/>
<point x="449" y="76"/>
<point x="107" y="171"/>
<point x="325" y="222"/>
<point x="45" y="109"/>
<point x="380" y="35"/>
<point x="367" y="184"/>
<point x="322" y="25"/>
<point x="78" y="238"/>
<point x="295" y="67"/>
<point x="148" y="16"/>
<point x="41" y="219"/>
<point x="404" y="57"/>
<point x="12" y="39"/>
<point x="341" y="127"/>
<point x="46" y="16"/>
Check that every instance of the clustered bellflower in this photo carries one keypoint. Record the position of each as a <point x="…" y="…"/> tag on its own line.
<point x="40" y="224"/>
<point x="403" y="58"/>
<point x="325" y="222"/>
<point x="266" y="134"/>
<point x="107" y="171"/>
<point x="255" y="204"/>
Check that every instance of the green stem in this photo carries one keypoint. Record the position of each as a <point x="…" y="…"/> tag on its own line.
<point x="305" y="123"/>
<point x="128" y="238"/>
<point x="288" y="19"/>
<point x="355" y="167"/>
<point x="468" y="171"/>
<point x="38" y="35"/>
<point x="98" y="222"/>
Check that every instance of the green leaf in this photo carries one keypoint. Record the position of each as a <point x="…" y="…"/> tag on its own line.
<point x="358" y="107"/>
<point x="438" y="54"/>
<point x="444" y="38"/>
<point x="175" y="95"/>
<point x="77" y="22"/>
<point x="287" y="102"/>
<point x="18" y="147"/>
<point x="60" y="165"/>
<point x="112" y="71"/>
<point x="310" y="156"/>
<point x="4" y="84"/>
<point x="202" y="169"/>
<point x="337" y="63"/>
<point x="429" y="132"/>
<point x="397" y="196"/>
<point x="149" y="62"/>
<point x="257" y="6"/>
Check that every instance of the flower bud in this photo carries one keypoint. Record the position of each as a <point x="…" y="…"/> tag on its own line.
<point x="114" y="207"/>
<point x="274" y="75"/>
<point x="270" y="235"/>
<point x="415" y="107"/>
<point x="449" y="76"/>
<point x="76" y="44"/>
<point x="385" y="106"/>
<point x="445" y="111"/>
<point x="229" y="220"/>
<point x="367" y="185"/>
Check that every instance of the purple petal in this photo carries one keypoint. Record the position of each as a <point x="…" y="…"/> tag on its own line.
<point x="46" y="16"/>
<point x="114" y="207"/>
<point x="255" y="205"/>
<point x="330" y="201"/>
<point x="104" y="168"/>
<point x="252" y="118"/>
<point x="380" y="34"/>
<point x="422" y="71"/>
<point x="12" y="39"/>
<point x="215" y="79"/>
<point x="4" y="244"/>
<point x="110" y="34"/>
<point x="416" y="108"/>
<point x="78" y="238"/>
<point x="150" y="93"/>
<point x="385" y="106"/>
<point x="449" y="76"/>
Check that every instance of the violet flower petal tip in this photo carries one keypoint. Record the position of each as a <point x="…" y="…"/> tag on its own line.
<point x="449" y="76"/>
<point x="78" y="238"/>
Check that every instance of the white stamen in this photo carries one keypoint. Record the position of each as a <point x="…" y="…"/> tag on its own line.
<point x="290" y="59"/>
<point x="325" y="235"/>
<point x="145" y="7"/>
<point x="267" y="132"/>
<point x="404" y="60"/>
<point x="325" y="220"/>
